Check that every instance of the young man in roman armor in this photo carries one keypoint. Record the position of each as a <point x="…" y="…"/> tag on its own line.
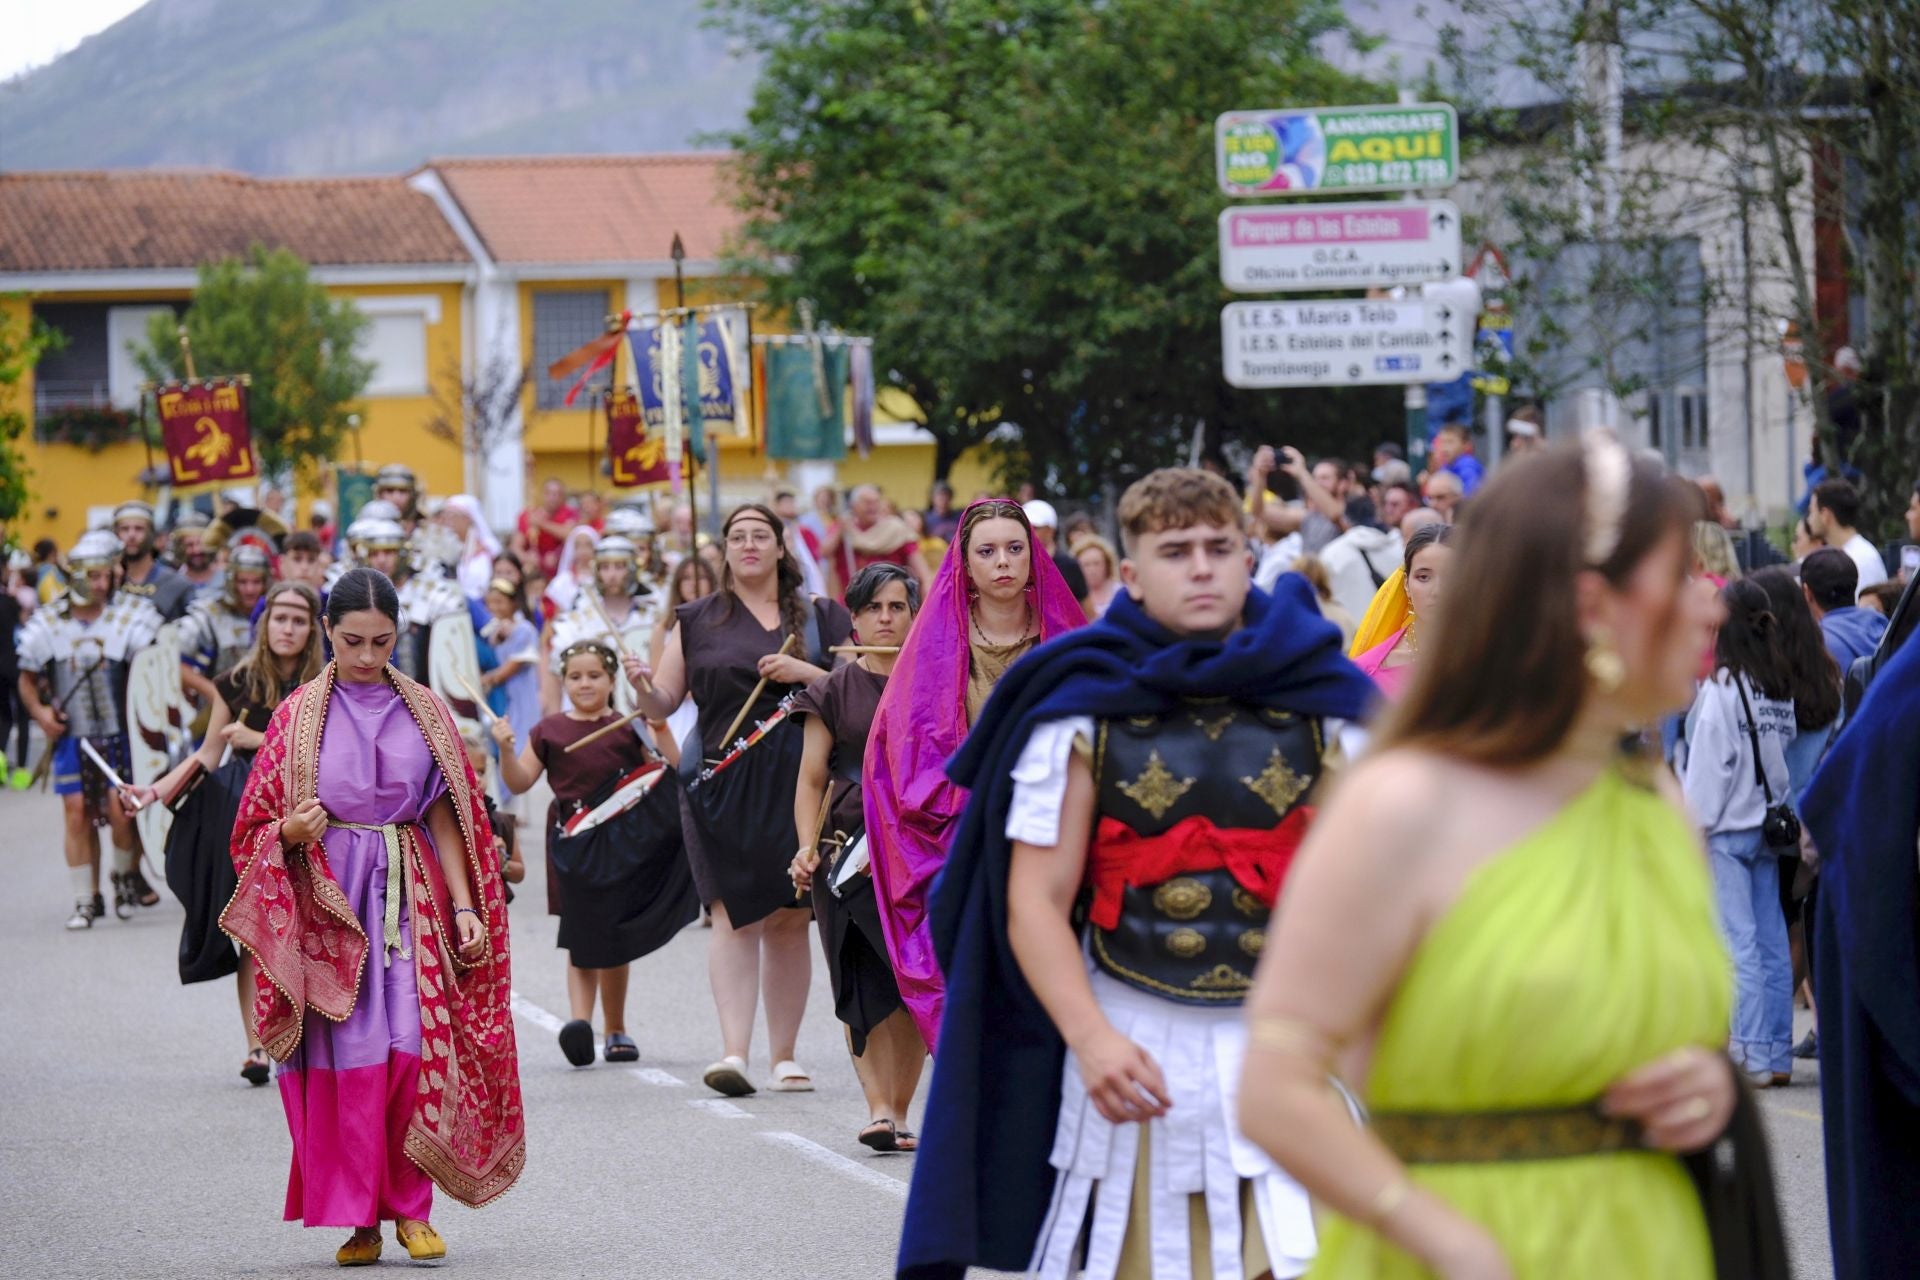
<point x="618" y="598"/>
<point x="423" y="600"/>
<point x="395" y="483"/>
<point x="1139" y="787"/>
<point x="143" y="574"/>
<point x="195" y="557"/>
<point x="73" y="680"/>
<point x="215" y="633"/>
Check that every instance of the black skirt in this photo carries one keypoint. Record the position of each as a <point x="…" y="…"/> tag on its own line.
<point x="864" y="991"/>
<point x="625" y="888"/>
<point x="739" y="829"/>
<point x="200" y="869"/>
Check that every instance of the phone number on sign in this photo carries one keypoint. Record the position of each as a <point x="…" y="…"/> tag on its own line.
<point x="1370" y="173"/>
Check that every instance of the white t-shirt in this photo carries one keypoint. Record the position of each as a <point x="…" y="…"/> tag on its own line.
<point x="1873" y="571"/>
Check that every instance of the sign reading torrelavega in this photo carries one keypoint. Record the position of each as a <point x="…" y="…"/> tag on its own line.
<point x="1298" y="152"/>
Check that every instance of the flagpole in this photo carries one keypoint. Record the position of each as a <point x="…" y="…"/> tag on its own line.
<point x="186" y="354"/>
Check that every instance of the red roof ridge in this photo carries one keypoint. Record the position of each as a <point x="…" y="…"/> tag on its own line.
<point x="596" y="159"/>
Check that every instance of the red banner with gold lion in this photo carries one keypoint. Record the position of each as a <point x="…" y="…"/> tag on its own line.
<point x="638" y="458"/>
<point x="204" y="428"/>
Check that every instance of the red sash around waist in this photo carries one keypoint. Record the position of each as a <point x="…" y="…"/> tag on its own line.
<point x="1121" y="857"/>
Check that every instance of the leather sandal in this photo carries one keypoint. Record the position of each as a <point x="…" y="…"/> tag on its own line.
<point x="258" y="1068"/>
<point x="422" y="1241"/>
<point x="620" y="1048"/>
<point x="362" y="1249"/>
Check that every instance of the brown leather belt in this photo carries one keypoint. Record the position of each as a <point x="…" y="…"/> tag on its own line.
<point x="1484" y="1137"/>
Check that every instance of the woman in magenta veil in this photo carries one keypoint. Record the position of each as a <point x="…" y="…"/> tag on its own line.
<point x="993" y="600"/>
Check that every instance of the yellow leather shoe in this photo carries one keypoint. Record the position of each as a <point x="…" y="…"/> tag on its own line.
<point x="360" y="1250"/>
<point x="422" y="1241"/>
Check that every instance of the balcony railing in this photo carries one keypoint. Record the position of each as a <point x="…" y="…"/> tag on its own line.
<point x="53" y="394"/>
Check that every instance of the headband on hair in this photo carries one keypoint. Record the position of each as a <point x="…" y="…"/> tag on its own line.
<point x="1609" y="478"/>
<point x="595" y="647"/>
<point x="504" y="587"/>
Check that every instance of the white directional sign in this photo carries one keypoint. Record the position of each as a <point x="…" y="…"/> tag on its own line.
<point x="1338" y="246"/>
<point x="1341" y="343"/>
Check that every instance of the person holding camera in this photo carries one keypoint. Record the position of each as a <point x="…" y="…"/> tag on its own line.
<point x="1737" y="785"/>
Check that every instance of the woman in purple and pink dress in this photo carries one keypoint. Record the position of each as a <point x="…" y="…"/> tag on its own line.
<point x="370" y="896"/>
<point x="1387" y="642"/>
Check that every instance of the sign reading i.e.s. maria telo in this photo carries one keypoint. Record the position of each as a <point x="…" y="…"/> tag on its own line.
<point x="1319" y="149"/>
<point x="1379" y="244"/>
<point x="1337" y="342"/>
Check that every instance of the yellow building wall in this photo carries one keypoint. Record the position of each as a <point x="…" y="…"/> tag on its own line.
<point x="67" y="479"/>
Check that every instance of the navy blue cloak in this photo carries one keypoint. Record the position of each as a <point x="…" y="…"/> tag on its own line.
<point x="1863" y="811"/>
<point x="981" y="1183"/>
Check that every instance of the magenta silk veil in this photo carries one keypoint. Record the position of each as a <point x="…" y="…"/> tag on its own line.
<point x="910" y="803"/>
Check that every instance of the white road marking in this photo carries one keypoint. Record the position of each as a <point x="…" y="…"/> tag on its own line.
<point x="807" y="1149"/>
<point x="721" y="1109"/>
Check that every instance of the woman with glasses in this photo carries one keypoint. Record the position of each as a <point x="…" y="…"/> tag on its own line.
<point x="739" y="653"/>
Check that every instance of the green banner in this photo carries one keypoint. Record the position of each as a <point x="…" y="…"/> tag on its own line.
<point x="1414" y="146"/>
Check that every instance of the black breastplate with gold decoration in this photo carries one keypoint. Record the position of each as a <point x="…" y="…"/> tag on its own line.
<point x="1196" y="936"/>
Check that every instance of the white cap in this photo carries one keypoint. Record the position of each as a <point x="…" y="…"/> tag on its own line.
<point x="1041" y="515"/>
<point x="322" y="508"/>
<point x="1847" y="358"/>
<point x="1521" y="427"/>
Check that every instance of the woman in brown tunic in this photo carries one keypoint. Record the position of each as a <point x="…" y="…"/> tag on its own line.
<point x="888" y="1053"/>
<point x="623" y="888"/>
<point x="737" y="822"/>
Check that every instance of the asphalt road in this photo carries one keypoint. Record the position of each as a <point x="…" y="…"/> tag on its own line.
<point x="131" y="1148"/>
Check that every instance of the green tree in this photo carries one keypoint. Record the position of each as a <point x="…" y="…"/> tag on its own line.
<point x="265" y="316"/>
<point x="1731" y="110"/>
<point x="1016" y="198"/>
<point x="19" y="349"/>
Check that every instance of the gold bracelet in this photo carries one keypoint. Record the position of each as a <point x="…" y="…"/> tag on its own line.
<point x="1291" y="1036"/>
<point x="1392" y="1198"/>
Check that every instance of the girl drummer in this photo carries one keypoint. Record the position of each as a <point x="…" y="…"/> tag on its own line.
<point x="618" y="899"/>
<point x="743" y="650"/>
<point x="888" y="1053"/>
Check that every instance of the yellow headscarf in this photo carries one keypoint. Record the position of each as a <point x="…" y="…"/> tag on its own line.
<point x="1387" y="615"/>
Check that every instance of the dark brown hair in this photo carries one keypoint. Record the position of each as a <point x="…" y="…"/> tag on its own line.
<point x="792" y="588"/>
<point x="677" y="590"/>
<point x="1813" y="677"/>
<point x="1502" y="671"/>
<point x="992" y="509"/>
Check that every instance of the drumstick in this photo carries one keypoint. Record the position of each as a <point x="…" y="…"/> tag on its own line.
<point x="614" y="634"/>
<point x="819" y="826"/>
<point x="878" y="650"/>
<point x="602" y="732"/>
<point x="479" y="701"/>
<point x="785" y="647"/>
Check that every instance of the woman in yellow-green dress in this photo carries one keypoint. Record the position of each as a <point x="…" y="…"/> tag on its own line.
<point x="1515" y="961"/>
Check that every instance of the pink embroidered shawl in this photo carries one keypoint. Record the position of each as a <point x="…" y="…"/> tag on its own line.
<point x="468" y="1132"/>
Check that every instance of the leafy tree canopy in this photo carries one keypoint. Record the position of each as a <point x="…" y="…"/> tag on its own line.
<point x="265" y="316"/>
<point x="1016" y="198"/>
<point x="20" y="347"/>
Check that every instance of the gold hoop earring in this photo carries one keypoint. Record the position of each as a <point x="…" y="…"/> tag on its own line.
<point x="1605" y="666"/>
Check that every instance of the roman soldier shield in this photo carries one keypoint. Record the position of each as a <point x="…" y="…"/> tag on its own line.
<point x="157" y="719"/>
<point x="453" y="667"/>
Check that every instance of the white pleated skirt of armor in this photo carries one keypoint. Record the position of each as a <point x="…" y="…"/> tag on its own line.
<point x="1196" y="1149"/>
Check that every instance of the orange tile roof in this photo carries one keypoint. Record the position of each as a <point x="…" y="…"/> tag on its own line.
<point x="145" y="218"/>
<point x="584" y="209"/>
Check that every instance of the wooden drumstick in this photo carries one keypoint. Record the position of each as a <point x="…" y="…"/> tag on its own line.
<point x="858" y="650"/>
<point x="479" y="702"/>
<point x="602" y="732"/>
<point x="786" y="647"/>
<point x="614" y="633"/>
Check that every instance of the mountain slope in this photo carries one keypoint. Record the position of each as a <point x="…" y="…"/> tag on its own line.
<point x="355" y="86"/>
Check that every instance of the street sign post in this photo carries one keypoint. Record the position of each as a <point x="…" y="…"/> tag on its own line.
<point x="1320" y="149"/>
<point x="1378" y="244"/>
<point x="1345" y="343"/>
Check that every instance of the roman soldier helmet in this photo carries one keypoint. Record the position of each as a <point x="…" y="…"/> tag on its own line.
<point x="629" y="522"/>
<point x="377" y="509"/>
<point x="397" y="475"/>
<point x="132" y="509"/>
<point x="615" y="549"/>
<point x="96" y="549"/>
<point x="246" y="558"/>
<point x="366" y="535"/>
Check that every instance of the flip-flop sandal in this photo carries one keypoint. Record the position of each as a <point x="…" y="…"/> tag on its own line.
<point x="908" y="1141"/>
<point x="881" y="1135"/>
<point x="729" y="1076"/>
<point x="576" y="1041"/>
<point x="621" y="1048"/>
<point x="790" y="1077"/>
<point x="258" y="1069"/>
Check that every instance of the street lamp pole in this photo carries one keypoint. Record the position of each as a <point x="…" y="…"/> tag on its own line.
<point x="679" y="255"/>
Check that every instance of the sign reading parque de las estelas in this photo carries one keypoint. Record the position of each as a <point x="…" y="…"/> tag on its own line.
<point x="1297" y="152"/>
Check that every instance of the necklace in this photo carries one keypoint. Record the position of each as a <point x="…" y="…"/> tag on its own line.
<point x="973" y="613"/>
